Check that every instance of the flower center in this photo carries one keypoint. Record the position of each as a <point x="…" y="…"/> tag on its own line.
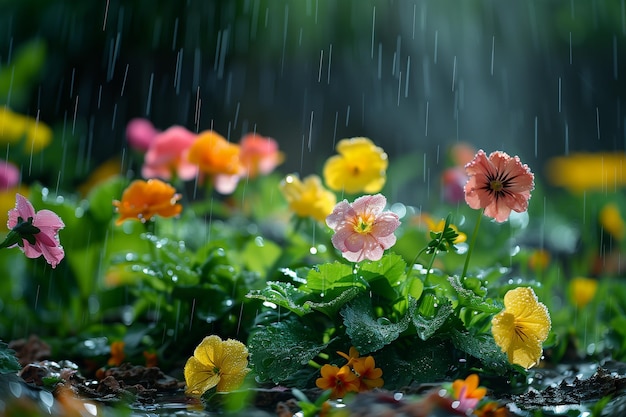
<point x="520" y="332"/>
<point x="364" y="224"/>
<point x="496" y="185"/>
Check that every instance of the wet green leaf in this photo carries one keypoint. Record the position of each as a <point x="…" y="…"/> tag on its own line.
<point x="431" y="315"/>
<point x="285" y="295"/>
<point x="8" y="361"/>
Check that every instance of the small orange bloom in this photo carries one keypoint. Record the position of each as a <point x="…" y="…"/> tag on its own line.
<point x="492" y="409"/>
<point x="152" y="359"/>
<point x="144" y="199"/>
<point x="339" y="380"/>
<point x="217" y="158"/>
<point x="539" y="260"/>
<point x="117" y="354"/>
<point x="467" y="392"/>
<point x="365" y="369"/>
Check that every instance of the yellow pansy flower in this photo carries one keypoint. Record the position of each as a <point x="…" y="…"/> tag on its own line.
<point x="522" y="327"/>
<point x="438" y="227"/>
<point x="308" y="198"/>
<point x="216" y="363"/>
<point x="360" y="167"/>
<point x="582" y="290"/>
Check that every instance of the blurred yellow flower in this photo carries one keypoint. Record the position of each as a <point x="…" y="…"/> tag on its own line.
<point x="15" y="127"/>
<point x="308" y="198"/>
<point x="611" y="221"/>
<point x="103" y="172"/>
<point x="216" y="363"/>
<point x="360" y="167"/>
<point x="522" y="327"/>
<point x="588" y="171"/>
<point x="582" y="290"/>
<point x="539" y="260"/>
<point x="7" y="201"/>
<point x="438" y="227"/>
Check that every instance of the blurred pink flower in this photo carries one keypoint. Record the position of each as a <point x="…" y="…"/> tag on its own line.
<point x="167" y="155"/>
<point x="453" y="181"/>
<point x="259" y="155"/>
<point x="45" y="241"/>
<point x="140" y="133"/>
<point x="362" y="229"/>
<point x="9" y="175"/>
<point x="498" y="184"/>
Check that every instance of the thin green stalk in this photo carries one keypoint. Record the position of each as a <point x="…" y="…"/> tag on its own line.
<point x="472" y="243"/>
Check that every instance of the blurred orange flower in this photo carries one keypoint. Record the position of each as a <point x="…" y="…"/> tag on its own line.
<point x="144" y="199"/>
<point x="117" y="354"/>
<point x="217" y="158"/>
<point x="468" y="393"/>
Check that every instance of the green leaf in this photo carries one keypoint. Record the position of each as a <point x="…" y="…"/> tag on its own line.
<point x="368" y="333"/>
<point x="336" y="302"/>
<point x="327" y="277"/>
<point x="484" y="348"/>
<point x="281" y="349"/>
<point x="8" y="362"/>
<point x="259" y="255"/>
<point x="468" y="298"/>
<point x="428" y="324"/>
<point x="285" y="295"/>
<point x="384" y="275"/>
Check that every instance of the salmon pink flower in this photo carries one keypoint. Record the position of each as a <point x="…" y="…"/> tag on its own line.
<point x="498" y="184"/>
<point x="36" y="233"/>
<point x="467" y="393"/>
<point x="340" y="380"/>
<point x="140" y="133"/>
<point x="167" y="154"/>
<point x="259" y="155"/>
<point x="362" y="229"/>
<point x="522" y="327"/>
<point x="9" y="175"/>
<point x="142" y="200"/>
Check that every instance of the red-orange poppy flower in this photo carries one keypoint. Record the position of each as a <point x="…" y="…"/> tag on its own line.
<point x="144" y="199"/>
<point x="217" y="158"/>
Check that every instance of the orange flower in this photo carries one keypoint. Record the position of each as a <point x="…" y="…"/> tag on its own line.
<point x="365" y="369"/>
<point x="467" y="392"/>
<point x="217" y="158"/>
<point x="492" y="409"/>
<point x="117" y="354"/>
<point x="339" y="380"/>
<point x="152" y="359"/>
<point x="144" y="199"/>
<point x="498" y="184"/>
<point x="539" y="260"/>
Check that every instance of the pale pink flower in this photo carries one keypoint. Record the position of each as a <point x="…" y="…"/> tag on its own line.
<point x="498" y="184"/>
<point x="168" y="155"/>
<point x="46" y="241"/>
<point x="9" y="175"/>
<point x="259" y="155"/>
<point x="140" y="133"/>
<point x="362" y="229"/>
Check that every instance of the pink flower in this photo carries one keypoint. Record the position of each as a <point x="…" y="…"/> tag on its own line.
<point x="498" y="184"/>
<point x="362" y="229"/>
<point x="168" y="154"/>
<point x="140" y="133"/>
<point x="9" y="175"/>
<point x="42" y="239"/>
<point x="259" y="155"/>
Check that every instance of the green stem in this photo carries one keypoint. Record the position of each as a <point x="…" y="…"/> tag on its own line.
<point x="150" y="226"/>
<point x="472" y="243"/>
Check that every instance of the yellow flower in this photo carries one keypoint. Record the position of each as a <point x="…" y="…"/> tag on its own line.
<point x="103" y="172"/>
<point x="14" y="127"/>
<point x="522" y="327"/>
<point x="611" y="221"/>
<point x="360" y="167"/>
<point x="308" y="198"/>
<point x="144" y="199"/>
<point x="588" y="171"/>
<point x="438" y="227"/>
<point x="216" y="363"/>
<point x="582" y="290"/>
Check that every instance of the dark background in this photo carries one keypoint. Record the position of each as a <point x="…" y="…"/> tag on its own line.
<point x="534" y="78"/>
